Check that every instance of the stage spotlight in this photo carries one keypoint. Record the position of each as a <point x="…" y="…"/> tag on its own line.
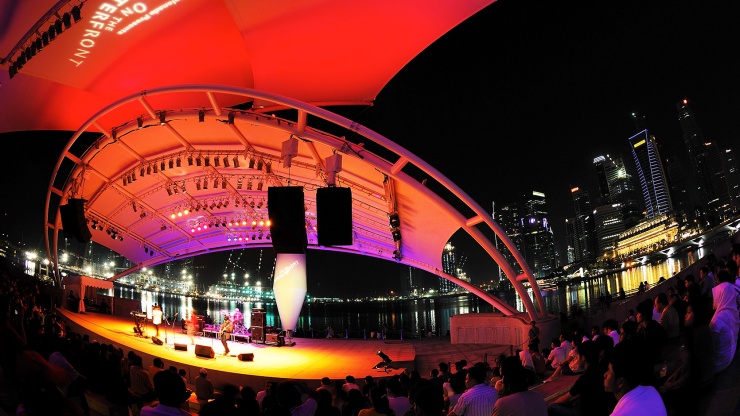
<point x="223" y="183"/>
<point x="67" y="20"/>
<point x="236" y="161"/>
<point x="201" y="116"/>
<point x="179" y="162"/>
<point x="58" y="26"/>
<point x="190" y="160"/>
<point x="162" y="120"/>
<point x="259" y="164"/>
<point x="76" y="15"/>
<point x="139" y="123"/>
<point x="52" y="31"/>
<point x="396" y="235"/>
<point x="226" y="161"/>
<point x="197" y="161"/>
<point x="216" y="161"/>
<point x="161" y="165"/>
<point x="215" y="183"/>
<point x="231" y="117"/>
<point x="169" y="191"/>
<point x="155" y="168"/>
<point x="394" y="221"/>
<point x="207" y="161"/>
<point x="251" y="162"/>
<point x="197" y="185"/>
<point x="384" y="357"/>
<point x="45" y="38"/>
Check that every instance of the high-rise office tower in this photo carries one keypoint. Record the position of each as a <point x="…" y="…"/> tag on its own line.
<point x="652" y="177"/>
<point x="706" y="161"/>
<point x="584" y="238"/>
<point x="449" y="266"/>
<point x="616" y="187"/>
<point x="508" y="217"/>
<point x="679" y="188"/>
<point x="537" y="235"/>
<point x="609" y="223"/>
<point x="733" y="176"/>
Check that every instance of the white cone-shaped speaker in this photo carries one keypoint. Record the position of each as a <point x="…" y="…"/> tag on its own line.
<point x="290" y="287"/>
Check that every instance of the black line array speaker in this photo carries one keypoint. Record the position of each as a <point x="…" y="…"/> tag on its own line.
<point x="73" y="220"/>
<point x="204" y="351"/>
<point x="157" y="341"/>
<point x="246" y="357"/>
<point x="181" y="347"/>
<point x="334" y="216"/>
<point x="285" y="207"/>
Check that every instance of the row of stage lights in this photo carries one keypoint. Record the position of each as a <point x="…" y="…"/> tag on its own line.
<point x="236" y="222"/>
<point x="62" y="22"/>
<point x="255" y="162"/>
<point x="247" y="237"/>
<point x="112" y="232"/>
<point x="216" y="203"/>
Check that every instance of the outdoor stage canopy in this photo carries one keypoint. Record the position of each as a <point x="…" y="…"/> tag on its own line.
<point x="201" y="106"/>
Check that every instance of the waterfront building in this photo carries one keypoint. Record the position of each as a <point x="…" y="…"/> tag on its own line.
<point x="609" y="224"/>
<point x="647" y="237"/>
<point x="652" y="176"/>
<point x="707" y="166"/>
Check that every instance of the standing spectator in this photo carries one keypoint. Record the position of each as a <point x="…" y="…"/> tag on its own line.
<point x="534" y="335"/>
<point x="479" y="398"/>
<point x="706" y="281"/>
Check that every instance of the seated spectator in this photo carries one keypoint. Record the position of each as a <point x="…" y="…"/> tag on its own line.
<point x="571" y="366"/>
<point x="627" y="330"/>
<point x="203" y="387"/>
<point x="595" y="331"/>
<point x="611" y="328"/>
<point x="627" y="377"/>
<point x="649" y="332"/>
<point x="428" y="401"/>
<point x="668" y="316"/>
<point x="247" y="402"/>
<point x="349" y="384"/>
<point x="478" y="396"/>
<point x="171" y="392"/>
<point x="379" y="403"/>
<point x="355" y="402"/>
<point x="587" y="396"/>
<point x="557" y="355"/>
<point x="518" y="400"/>
<point x="396" y="399"/>
<point x="157" y="366"/>
<point x="223" y="405"/>
<point x="725" y="323"/>
<point x="141" y="384"/>
<point x="457" y="385"/>
<point x="525" y="357"/>
<point x="539" y="362"/>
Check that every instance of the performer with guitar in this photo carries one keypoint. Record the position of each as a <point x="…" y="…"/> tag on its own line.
<point x="192" y="325"/>
<point x="226" y="329"/>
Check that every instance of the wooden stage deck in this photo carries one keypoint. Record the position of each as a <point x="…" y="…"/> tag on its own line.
<point x="308" y="360"/>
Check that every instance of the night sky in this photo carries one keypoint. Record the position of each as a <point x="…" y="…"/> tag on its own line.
<point x="521" y="97"/>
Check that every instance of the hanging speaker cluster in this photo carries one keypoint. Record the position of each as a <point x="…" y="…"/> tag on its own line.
<point x="73" y="220"/>
<point x="334" y="216"/>
<point x="285" y="208"/>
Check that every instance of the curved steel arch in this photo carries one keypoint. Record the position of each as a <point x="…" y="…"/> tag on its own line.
<point x="392" y="170"/>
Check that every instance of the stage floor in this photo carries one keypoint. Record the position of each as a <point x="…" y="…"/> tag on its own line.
<point x="308" y="360"/>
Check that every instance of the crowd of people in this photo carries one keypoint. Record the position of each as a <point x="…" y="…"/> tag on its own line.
<point x="655" y="362"/>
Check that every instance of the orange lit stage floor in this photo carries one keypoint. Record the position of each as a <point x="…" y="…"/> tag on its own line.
<point x="308" y="360"/>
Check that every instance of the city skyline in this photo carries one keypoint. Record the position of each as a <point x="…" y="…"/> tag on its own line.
<point x="521" y="98"/>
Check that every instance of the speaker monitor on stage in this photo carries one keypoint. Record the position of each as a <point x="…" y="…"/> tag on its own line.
<point x="181" y="347"/>
<point x="73" y="220"/>
<point x="204" y="351"/>
<point x="285" y="208"/>
<point x="334" y="216"/>
<point x="246" y="357"/>
<point x="157" y="341"/>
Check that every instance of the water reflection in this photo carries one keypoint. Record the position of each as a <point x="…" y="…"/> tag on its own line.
<point x="410" y="318"/>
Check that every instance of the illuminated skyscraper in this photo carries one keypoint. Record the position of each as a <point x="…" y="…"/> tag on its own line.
<point x="584" y="239"/>
<point x="449" y="266"/>
<point x="650" y="172"/>
<point x="539" y="245"/>
<point x="706" y="161"/>
<point x="616" y="187"/>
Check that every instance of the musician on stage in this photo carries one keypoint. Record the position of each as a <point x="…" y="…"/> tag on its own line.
<point x="226" y="329"/>
<point x="156" y="316"/>
<point x="192" y="325"/>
